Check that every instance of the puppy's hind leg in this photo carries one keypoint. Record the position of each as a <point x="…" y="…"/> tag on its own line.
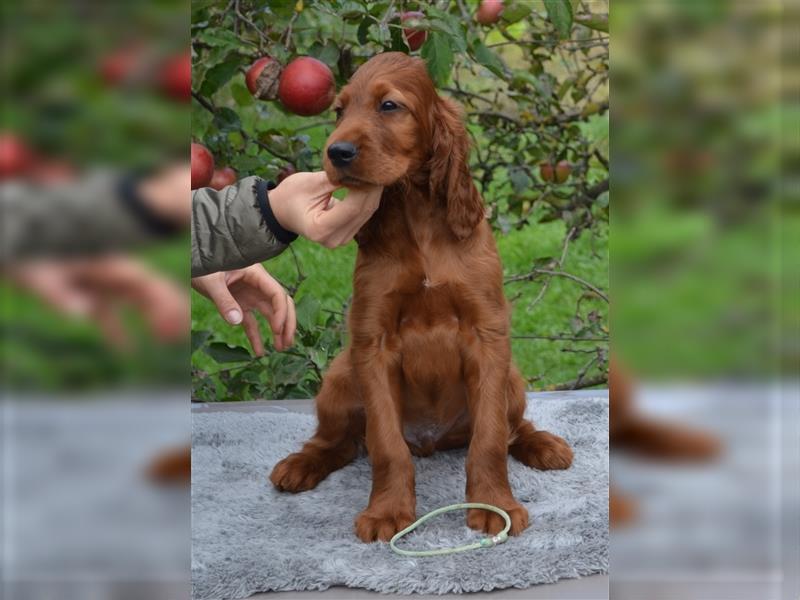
<point x="339" y="435"/>
<point x="538" y="449"/>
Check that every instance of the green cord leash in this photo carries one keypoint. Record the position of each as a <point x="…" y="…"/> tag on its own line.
<point x="487" y="542"/>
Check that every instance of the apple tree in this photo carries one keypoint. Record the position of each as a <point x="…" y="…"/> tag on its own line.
<point x="533" y="80"/>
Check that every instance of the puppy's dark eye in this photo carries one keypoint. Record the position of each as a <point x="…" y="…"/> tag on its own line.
<point x="389" y="106"/>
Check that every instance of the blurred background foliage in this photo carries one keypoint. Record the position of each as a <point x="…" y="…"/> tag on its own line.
<point x="59" y="99"/>
<point x="534" y="86"/>
<point x="705" y="227"/>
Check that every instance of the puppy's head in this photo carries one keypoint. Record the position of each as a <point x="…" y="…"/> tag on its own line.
<point x="390" y="124"/>
<point x="381" y="122"/>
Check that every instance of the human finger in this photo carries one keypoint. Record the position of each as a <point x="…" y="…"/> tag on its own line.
<point x="250" y="326"/>
<point x="217" y="290"/>
<point x="291" y="323"/>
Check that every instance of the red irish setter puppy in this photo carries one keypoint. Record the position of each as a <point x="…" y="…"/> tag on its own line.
<point x="428" y="366"/>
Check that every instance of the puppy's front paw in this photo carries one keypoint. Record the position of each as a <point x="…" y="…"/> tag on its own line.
<point x="297" y="472"/>
<point x="492" y="523"/>
<point x="376" y="524"/>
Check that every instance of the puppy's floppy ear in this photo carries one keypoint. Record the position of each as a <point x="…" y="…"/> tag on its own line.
<point x="449" y="164"/>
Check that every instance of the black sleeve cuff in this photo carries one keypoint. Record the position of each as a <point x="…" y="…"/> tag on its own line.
<point x="129" y="195"/>
<point x="262" y="200"/>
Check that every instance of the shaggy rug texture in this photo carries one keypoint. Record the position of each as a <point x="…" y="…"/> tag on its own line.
<point x="248" y="538"/>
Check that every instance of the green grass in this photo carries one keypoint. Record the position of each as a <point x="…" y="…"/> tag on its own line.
<point x="542" y="362"/>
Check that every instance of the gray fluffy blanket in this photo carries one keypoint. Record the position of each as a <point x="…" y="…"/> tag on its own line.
<point x="248" y="538"/>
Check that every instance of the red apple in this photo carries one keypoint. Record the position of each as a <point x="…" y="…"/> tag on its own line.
<point x="563" y="169"/>
<point x="489" y="11"/>
<point x="546" y="171"/>
<point x="175" y="77"/>
<point x="223" y="178"/>
<point x="202" y="166"/>
<point x="16" y="158"/>
<point x="289" y="169"/>
<point x="306" y="86"/>
<point x="414" y="37"/>
<point x="262" y="78"/>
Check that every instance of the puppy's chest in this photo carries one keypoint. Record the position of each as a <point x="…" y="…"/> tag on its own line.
<point x="429" y="297"/>
<point x="434" y="270"/>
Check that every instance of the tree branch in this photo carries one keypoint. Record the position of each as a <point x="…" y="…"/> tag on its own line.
<point x="578" y="385"/>
<point x="241" y="16"/>
<point x="583" y="371"/>
<point x="546" y="285"/>
<point x="559" y="338"/>
<point x="206" y="103"/>
<point x="597" y="189"/>
<point x="558" y="119"/>
<point x="536" y="272"/>
<point x="603" y="160"/>
<point x="576" y="115"/>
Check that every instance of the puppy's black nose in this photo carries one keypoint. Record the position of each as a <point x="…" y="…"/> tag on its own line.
<point x="342" y="153"/>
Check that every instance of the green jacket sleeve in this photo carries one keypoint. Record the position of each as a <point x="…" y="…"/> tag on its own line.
<point x="228" y="228"/>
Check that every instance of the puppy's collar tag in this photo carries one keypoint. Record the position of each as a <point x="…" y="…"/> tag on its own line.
<point x="487" y="542"/>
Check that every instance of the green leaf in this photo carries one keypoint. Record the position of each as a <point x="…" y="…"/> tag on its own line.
<point x="438" y="57"/>
<point x="319" y="358"/>
<point x="307" y="309"/>
<point x="515" y="11"/>
<point x="198" y="339"/>
<point x="453" y="22"/>
<point x="213" y="57"/>
<point x="226" y="119"/>
<point x="201" y="120"/>
<point x="283" y="9"/>
<point x="488" y="59"/>
<point x="519" y="179"/>
<point x="398" y="40"/>
<point x="198" y="5"/>
<point x="223" y="353"/>
<point x="560" y="14"/>
<point x="327" y="53"/>
<point x="564" y="87"/>
<point x="565" y="192"/>
<point x="593" y="21"/>
<point x="380" y="35"/>
<point x="287" y="369"/>
<point x="203" y="389"/>
<point x="444" y="22"/>
<point x="363" y="30"/>
<point x="247" y="164"/>
<point x="544" y="85"/>
<point x="522" y="79"/>
<point x="241" y="94"/>
<point x="219" y="38"/>
<point x="219" y="75"/>
<point x="350" y="10"/>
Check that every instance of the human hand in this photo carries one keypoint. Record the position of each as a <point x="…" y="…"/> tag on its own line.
<point x="302" y="203"/>
<point x="95" y="288"/>
<point x="238" y="294"/>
